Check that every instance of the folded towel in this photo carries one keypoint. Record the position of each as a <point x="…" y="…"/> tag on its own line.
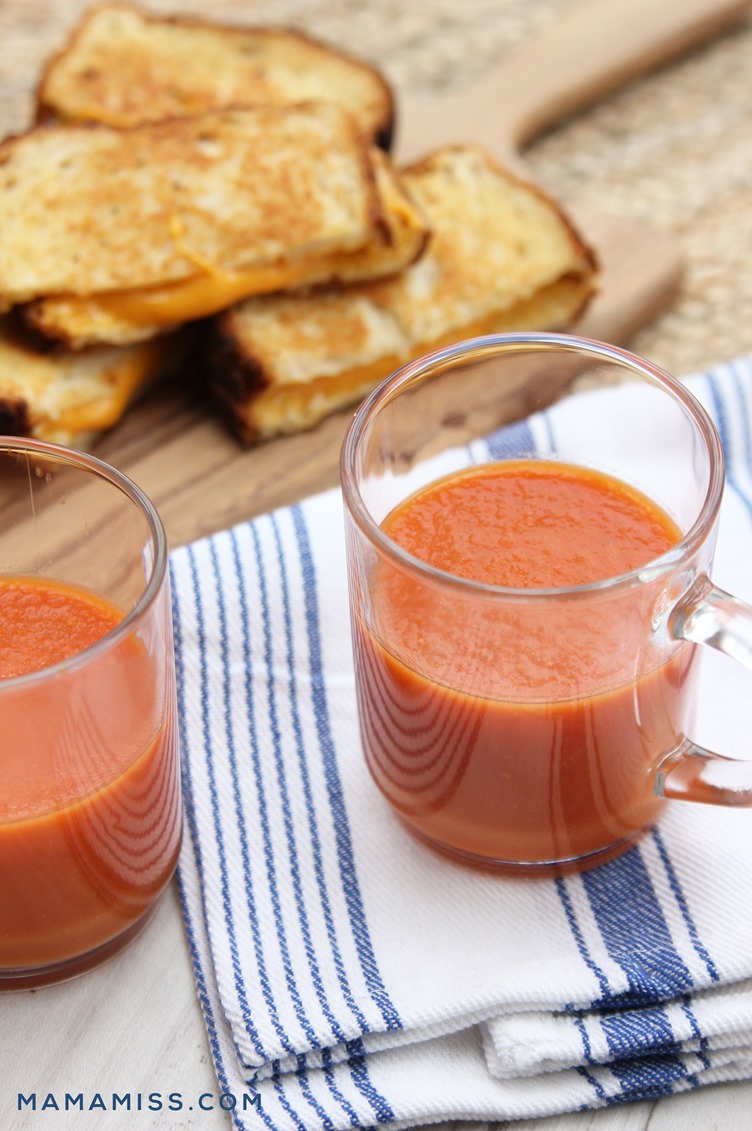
<point x="348" y="976"/>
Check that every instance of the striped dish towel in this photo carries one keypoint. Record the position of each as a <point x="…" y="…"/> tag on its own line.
<point x="349" y="977"/>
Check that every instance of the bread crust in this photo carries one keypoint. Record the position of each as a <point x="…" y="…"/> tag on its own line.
<point x="14" y="417"/>
<point x="424" y="164"/>
<point x="379" y="126"/>
<point x="244" y="376"/>
<point x="70" y="398"/>
<point x="87" y="208"/>
<point x="504" y="256"/>
<point x="395" y="235"/>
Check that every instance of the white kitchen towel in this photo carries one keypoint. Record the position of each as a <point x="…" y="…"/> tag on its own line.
<point x="348" y="976"/>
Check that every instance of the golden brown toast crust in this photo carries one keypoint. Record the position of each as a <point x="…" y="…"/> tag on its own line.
<point x="503" y="256"/>
<point x="398" y="236"/>
<point x="244" y="377"/>
<point x="14" y="417"/>
<point x="101" y="93"/>
<point x="70" y="398"/>
<point x="257" y="408"/>
<point x="425" y="165"/>
<point x="224" y="190"/>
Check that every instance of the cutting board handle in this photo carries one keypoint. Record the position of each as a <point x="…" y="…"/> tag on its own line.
<point x="597" y="46"/>
<point x="593" y="48"/>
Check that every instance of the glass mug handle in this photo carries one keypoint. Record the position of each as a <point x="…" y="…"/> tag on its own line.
<point x="709" y="615"/>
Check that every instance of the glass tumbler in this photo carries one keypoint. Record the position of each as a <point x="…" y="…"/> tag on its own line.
<point x="90" y="814"/>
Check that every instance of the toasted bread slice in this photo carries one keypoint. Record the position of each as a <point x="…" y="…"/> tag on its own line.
<point x="70" y="398"/>
<point x="124" y="66"/>
<point x="173" y="220"/>
<point x="503" y="256"/>
<point x="122" y="318"/>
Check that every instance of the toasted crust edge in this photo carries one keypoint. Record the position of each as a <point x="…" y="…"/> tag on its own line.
<point x="587" y="252"/>
<point x="14" y="417"/>
<point x="383" y="135"/>
<point x="361" y="149"/>
<point x="242" y="374"/>
<point x="237" y="379"/>
<point x="244" y="378"/>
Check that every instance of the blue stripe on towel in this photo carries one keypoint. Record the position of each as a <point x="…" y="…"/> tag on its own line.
<point x="261" y="811"/>
<point x="681" y="900"/>
<point x="513" y="440"/>
<point x="206" y="1007"/>
<point x="345" y="854"/>
<point x="326" y="1063"/>
<point x="305" y="1087"/>
<point x="648" y="1078"/>
<point x="209" y="752"/>
<point x="637" y="938"/>
<point x="240" y="817"/>
<point x="631" y="1032"/>
<point x="271" y="867"/>
<point x="278" y="915"/>
<point x="285" y="1104"/>
<point x="315" y="841"/>
<point x="190" y="813"/>
<point x="626" y="1033"/>
<point x="702" y="1041"/>
<point x="743" y="388"/>
<point x="355" y="1049"/>
<point x="361" y="1077"/>
<point x="305" y="927"/>
<point x="579" y="939"/>
<point x="359" y="1070"/>
<point x="721" y="412"/>
<point x="635" y="931"/>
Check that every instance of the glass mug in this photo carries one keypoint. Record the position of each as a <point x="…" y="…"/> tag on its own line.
<point x="90" y="814"/>
<point x="536" y="730"/>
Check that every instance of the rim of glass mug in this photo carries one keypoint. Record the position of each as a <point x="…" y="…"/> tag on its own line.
<point x="475" y="349"/>
<point x="141" y="501"/>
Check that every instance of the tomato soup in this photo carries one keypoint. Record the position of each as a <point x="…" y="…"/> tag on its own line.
<point x="521" y="727"/>
<point x="90" y="805"/>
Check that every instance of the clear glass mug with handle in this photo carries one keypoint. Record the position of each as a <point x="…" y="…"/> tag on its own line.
<point x="537" y="730"/>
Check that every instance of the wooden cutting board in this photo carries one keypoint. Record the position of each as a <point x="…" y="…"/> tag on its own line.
<point x="195" y="472"/>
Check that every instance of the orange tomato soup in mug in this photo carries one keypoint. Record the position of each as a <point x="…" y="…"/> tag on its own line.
<point x="90" y="805"/>
<point x="521" y="729"/>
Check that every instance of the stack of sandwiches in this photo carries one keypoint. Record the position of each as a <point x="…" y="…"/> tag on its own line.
<point x="236" y="182"/>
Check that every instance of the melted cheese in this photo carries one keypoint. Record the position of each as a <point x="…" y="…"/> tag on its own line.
<point x="211" y="289"/>
<point x="104" y="399"/>
<point x="196" y="297"/>
<point x="291" y="407"/>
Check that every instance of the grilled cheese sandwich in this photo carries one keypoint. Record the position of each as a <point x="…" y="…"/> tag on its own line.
<point x="172" y="220"/>
<point x="124" y="65"/>
<point x="133" y="314"/>
<point x="70" y="398"/>
<point x="502" y="257"/>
